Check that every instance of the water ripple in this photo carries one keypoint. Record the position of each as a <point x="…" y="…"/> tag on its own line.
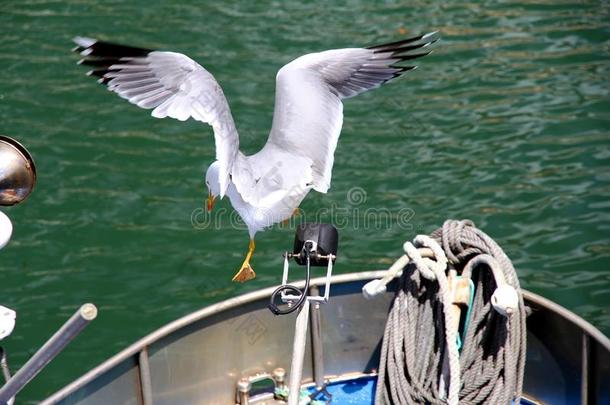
<point x="506" y="123"/>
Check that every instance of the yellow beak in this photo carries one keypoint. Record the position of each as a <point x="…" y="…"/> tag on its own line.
<point x="211" y="201"/>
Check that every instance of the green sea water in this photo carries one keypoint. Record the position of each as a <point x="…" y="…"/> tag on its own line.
<point x="507" y="123"/>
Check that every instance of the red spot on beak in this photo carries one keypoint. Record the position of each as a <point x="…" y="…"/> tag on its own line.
<point x="211" y="201"/>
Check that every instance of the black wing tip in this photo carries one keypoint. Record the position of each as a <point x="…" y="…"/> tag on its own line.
<point x="93" y="48"/>
<point x="401" y="70"/>
<point x="97" y="72"/>
<point x="101" y="55"/>
<point x="99" y="62"/>
<point x="401" y="51"/>
<point x="405" y="69"/>
<point x="403" y="58"/>
<point x="409" y="48"/>
<point x="405" y="44"/>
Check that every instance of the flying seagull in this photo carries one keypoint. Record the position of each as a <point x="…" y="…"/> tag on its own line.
<point x="267" y="187"/>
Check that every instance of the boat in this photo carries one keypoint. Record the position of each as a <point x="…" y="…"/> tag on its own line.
<point x="205" y="357"/>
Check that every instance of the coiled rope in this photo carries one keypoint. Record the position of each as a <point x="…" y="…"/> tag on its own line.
<point x="420" y="360"/>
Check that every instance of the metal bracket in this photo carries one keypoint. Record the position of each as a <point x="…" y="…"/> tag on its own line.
<point x="290" y="298"/>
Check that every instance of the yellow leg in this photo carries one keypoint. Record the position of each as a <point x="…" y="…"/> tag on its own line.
<point x="246" y="272"/>
<point x="295" y="213"/>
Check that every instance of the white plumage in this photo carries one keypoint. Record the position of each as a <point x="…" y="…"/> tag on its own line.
<point x="267" y="187"/>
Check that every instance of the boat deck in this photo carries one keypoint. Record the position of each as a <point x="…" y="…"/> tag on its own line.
<point x="357" y="391"/>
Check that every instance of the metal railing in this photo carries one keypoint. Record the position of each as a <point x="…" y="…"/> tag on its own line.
<point x="46" y="353"/>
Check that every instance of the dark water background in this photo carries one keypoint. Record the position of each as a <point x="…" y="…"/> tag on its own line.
<point x="507" y="124"/>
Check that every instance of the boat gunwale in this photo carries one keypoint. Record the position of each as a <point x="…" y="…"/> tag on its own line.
<point x="145" y="342"/>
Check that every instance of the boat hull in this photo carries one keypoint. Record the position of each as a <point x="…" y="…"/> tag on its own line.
<point x="199" y="358"/>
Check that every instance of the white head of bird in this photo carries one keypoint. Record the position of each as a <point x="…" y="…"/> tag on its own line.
<point x="212" y="182"/>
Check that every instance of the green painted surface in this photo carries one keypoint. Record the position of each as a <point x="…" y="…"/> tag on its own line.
<point x="507" y="124"/>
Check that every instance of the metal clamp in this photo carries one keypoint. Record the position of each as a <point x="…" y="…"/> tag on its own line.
<point x="298" y="297"/>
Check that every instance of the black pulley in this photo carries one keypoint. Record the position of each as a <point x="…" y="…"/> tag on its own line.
<point x="323" y="239"/>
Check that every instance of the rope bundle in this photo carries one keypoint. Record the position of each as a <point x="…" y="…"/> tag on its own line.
<point x="420" y="362"/>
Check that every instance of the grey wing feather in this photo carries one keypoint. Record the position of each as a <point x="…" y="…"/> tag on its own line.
<point x="308" y="111"/>
<point x="172" y="84"/>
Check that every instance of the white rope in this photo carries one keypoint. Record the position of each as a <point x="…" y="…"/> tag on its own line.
<point x="490" y="367"/>
<point x="413" y="254"/>
<point x="451" y="349"/>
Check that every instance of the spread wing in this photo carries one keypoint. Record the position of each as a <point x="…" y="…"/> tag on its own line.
<point x="308" y="111"/>
<point x="172" y="84"/>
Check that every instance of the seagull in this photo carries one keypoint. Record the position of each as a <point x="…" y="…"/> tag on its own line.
<point x="267" y="187"/>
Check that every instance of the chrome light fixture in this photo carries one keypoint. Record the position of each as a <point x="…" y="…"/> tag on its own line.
<point x="17" y="172"/>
